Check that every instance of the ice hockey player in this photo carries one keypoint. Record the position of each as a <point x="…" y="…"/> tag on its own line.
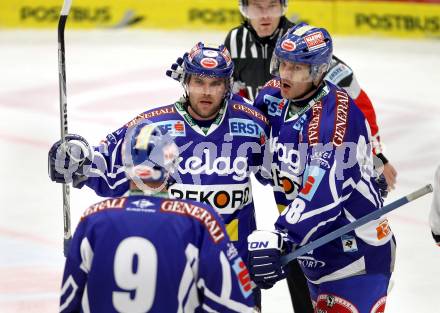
<point x="220" y="137"/>
<point x="324" y="145"/>
<point x="434" y="216"/>
<point x="149" y="253"/>
<point x="251" y="45"/>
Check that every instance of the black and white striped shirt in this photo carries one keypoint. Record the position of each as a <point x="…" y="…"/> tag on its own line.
<point x="252" y="55"/>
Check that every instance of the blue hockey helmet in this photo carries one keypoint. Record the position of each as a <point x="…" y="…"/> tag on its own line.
<point x="208" y="61"/>
<point x="243" y="6"/>
<point x="305" y="44"/>
<point x="148" y="154"/>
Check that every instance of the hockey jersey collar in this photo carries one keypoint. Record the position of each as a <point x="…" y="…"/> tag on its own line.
<point x="204" y="131"/>
<point x="297" y="108"/>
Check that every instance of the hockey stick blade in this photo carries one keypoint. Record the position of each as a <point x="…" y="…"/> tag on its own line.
<point x="63" y="116"/>
<point x="362" y="221"/>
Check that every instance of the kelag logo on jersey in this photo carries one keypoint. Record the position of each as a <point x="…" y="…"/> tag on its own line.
<point x="173" y="127"/>
<point x="274" y="105"/>
<point x="242" y="127"/>
<point x="243" y="277"/>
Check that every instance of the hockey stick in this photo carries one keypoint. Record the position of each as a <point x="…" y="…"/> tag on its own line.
<point x="362" y="221"/>
<point x="63" y="116"/>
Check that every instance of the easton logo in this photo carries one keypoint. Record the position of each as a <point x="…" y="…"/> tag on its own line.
<point x="209" y="63"/>
<point x="288" y="45"/>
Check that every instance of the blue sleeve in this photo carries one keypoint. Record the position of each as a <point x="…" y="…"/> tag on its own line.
<point x="75" y="272"/>
<point x="106" y="176"/>
<point x="333" y="168"/>
<point x="223" y="277"/>
<point x="263" y="161"/>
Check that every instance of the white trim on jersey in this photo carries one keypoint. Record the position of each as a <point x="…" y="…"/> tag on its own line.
<point x="86" y="255"/>
<point x="368" y="231"/>
<point x="227" y="302"/>
<point x="314" y="229"/>
<point x="187" y="285"/>
<point x="355" y="268"/>
<point x="85" y="301"/>
<point x="103" y="176"/>
<point x="70" y="283"/>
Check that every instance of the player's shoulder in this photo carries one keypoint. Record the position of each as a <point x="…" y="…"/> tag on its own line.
<point x="271" y="89"/>
<point x="203" y="214"/>
<point x="93" y="211"/>
<point x="240" y="107"/>
<point x="338" y="116"/>
<point x="156" y="114"/>
<point x="339" y="72"/>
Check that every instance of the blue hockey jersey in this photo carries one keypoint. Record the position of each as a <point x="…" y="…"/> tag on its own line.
<point x="150" y="254"/>
<point x="215" y="162"/>
<point x="324" y="179"/>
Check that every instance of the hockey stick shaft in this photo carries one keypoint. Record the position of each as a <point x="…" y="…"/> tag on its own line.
<point x="362" y="221"/>
<point x="63" y="116"/>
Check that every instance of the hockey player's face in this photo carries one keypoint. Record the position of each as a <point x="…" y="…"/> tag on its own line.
<point x="296" y="79"/>
<point x="206" y="95"/>
<point x="264" y="16"/>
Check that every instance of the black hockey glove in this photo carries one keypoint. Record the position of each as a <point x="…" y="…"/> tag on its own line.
<point x="69" y="162"/>
<point x="176" y="71"/>
<point x="383" y="186"/>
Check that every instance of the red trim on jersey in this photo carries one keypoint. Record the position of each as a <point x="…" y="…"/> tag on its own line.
<point x="363" y="102"/>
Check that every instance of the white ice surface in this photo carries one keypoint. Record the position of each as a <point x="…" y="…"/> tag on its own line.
<point x="113" y="75"/>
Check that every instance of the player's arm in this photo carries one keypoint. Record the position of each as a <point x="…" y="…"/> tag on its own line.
<point x="99" y="168"/>
<point x="223" y="278"/>
<point x="78" y="264"/>
<point x="434" y="216"/>
<point x="343" y="76"/>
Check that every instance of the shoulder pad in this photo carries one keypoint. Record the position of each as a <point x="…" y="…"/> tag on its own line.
<point x="169" y="109"/>
<point x="115" y="203"/>
<point x="199" y="212"/>
<point x="250" y="111"/>
<point x="338" y="72"/>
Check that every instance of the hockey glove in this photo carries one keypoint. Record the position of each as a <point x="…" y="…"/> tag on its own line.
<point x="383" y="186"/>
<point x="265" y="250"/>
<point x="68" y="162"/>
<point x="176" y="71"/>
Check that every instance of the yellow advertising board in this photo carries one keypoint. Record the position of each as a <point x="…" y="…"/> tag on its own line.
<point x="401" y="19"/>
<point x="396" y="19"/>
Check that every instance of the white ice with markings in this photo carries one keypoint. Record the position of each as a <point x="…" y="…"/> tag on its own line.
<point x="114" y="75"/>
